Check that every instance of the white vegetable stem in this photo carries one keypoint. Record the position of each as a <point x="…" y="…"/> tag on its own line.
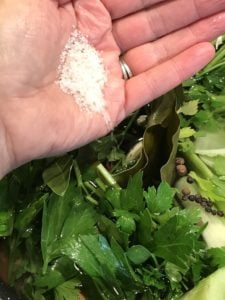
<point x="214" y="233"/>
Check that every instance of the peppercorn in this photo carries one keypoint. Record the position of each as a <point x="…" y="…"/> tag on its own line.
<point x="181" y="170"/>
<point x="209" y="203"/>
<point x="185" y="197"/>
<point x="208" y="209"/>
<point x="186" y="191"/>
<point x="204" y="203"/>
<point x="190" y="179"/>
<point x="198" y="199"/>
<point x="204" y="199"/>
<point x="179" y="161"/>
<point x="220" y="213"/>
<point x="191" y="197"/>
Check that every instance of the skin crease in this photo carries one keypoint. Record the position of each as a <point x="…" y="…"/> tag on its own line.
<point x="37" y="119"/>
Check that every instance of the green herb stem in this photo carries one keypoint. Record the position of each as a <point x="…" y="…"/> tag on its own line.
<point x="91" y="200"/>
<point x="92" y="189"/>
<point x="106" y="176"/>
<point x="100" y="184"/>
<point x="215" y="63"/>
<point x="210" y="69"/>
<point x="197" y="165"/>
<point x="78" y="174"/>
<point x="80" y="182"/>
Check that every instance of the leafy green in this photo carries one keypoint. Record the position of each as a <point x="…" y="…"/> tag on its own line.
<point x="189" y="108"/>
<point x="160" y="201"/>
<point x="57" y="176"/>
<point x="179" y="236"/>
<point x="186" y="132"/>
<point x="68" y="290"/>
<point x="213" y="188"/>
<point x="70" y="216"/>
<point x="218" y="256"/>
<point x="26" y="216"/>
<point x="131" y="198"/>
<point x="138" y="254"/>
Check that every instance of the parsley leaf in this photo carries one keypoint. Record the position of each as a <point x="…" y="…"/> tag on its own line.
<point x="132" y="197"/>
<point x="177" y="238"/>
<point x="161" y="200"/>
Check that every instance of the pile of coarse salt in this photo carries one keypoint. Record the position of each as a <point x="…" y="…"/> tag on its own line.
<point x="82" y="73"/>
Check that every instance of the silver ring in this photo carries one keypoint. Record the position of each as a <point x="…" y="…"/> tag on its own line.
<point x="126" y="71"/>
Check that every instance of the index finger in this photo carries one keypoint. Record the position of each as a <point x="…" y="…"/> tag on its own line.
<point x="118" y="8"/>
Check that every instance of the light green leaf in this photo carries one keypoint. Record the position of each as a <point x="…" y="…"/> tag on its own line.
<point x="186" y="132"/>
<point x="138" y="254"/>
<point x="189" y="108"/>
<point x="215" y="163"/>
<point x="213" y="188"/>
<point x="57" y="176"/>
<point x="211" y="144"/>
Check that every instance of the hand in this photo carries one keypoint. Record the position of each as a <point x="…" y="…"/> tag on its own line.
<point x="164" y="42"/>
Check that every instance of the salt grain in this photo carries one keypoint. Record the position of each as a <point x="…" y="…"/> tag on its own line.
<point x="82" y="73"/>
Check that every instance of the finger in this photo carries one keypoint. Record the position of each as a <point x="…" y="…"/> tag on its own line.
<point x="149" y="55"/>
<point x="118" y="8"/>
<point x="63" y="2"/>
<point x="151" y="24"/>
<point x="155" y="82"/>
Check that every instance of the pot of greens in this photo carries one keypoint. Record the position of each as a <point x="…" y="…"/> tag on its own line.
<point x="138" y="214"/>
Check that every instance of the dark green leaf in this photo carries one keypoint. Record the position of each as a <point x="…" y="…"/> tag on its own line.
<point x="177" y="239"/>
<point x="159" y="141"/>
<point x="25" y="217"/>
<point x="132" y="196"/>
<point x="126" y="224"/>
<point x="69" y="290"/>
<point x="218" y="256"/>
<point x="109" y="229"/>
<point x="129" y="277"/>
<point x="160" y="201"/>
<point x="8" y="195"/>
<point x="70" y="216"/>
<point x="94" y="256"/>
<point x="145" y="227"/>
<point x="113" y="196"/>
<point x="60" y="271"/>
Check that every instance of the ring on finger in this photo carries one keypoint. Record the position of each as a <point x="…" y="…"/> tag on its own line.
<point x="126" y="71"/>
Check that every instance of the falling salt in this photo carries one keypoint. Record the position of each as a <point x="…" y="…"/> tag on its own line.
<point x="82" y="73"/>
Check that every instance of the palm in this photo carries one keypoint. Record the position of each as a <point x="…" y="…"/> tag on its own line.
<point x="40" y="114"/>
<point x="38" y="118"/>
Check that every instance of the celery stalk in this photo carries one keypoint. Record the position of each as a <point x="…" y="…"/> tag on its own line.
<point x="210" y="288"/>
